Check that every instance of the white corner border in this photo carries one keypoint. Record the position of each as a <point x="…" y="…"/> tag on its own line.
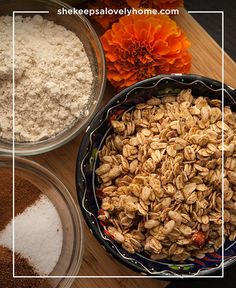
<point x="13" y="153"/>
<point x="222" y="107"/>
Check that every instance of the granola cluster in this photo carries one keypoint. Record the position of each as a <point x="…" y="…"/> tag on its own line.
<point x="160" y="176"/>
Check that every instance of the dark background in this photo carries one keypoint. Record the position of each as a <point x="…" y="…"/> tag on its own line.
<point x="212" y="22"/>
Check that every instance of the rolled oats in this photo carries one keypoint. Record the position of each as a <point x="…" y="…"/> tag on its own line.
<point x="160" y="175"/>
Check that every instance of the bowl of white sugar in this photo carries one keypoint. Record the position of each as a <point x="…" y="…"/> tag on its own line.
<point x="44" y="234"/>
<point x="52" y="75"/>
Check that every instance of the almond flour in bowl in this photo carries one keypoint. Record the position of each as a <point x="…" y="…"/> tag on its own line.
<point x="53" y="78"/>
<point x="59" y="78"/>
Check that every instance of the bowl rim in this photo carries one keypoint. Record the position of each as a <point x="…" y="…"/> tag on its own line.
<point x="83" y="147"/>
<point x="6" y="160"/>
<point x="29" y="151"/>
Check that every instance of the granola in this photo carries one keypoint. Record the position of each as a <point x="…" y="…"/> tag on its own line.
<point x="160" y="176"/>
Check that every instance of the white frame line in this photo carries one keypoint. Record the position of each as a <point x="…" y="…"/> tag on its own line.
<point x="223" y="116"/>
<point x="119" y="276"/>
<point x="13" y="148"/>
<point x="222" y="107"/>
<point x="13" y="132"/>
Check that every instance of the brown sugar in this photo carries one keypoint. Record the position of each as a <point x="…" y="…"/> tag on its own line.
<point x="22" y="268"/>
<point x="26" y="194"/>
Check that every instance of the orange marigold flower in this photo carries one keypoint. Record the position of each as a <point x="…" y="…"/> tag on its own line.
<point x="106" y="20"/>
<point x="143" y="46"/>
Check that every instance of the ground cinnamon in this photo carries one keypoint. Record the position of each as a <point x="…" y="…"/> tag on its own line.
<point x="22" y="267"/>
<point x="25" y="195"/>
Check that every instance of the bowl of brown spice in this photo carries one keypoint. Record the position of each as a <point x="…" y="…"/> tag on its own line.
<point x="48" y="235"/>
<point x="151" y="170"/>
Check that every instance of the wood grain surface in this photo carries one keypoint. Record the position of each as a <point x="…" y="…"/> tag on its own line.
<point x="97" y="262"/>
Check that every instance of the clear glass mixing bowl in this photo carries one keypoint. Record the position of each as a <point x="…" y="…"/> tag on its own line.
<point x="72" y="247"/>
<point x="81" y="27"/>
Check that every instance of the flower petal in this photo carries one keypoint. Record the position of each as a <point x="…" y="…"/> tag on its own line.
<point x="142" y="46"/>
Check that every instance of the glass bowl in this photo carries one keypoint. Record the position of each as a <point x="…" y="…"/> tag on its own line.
<point x="72" y="247"/>
<point x="81" y="27"/>
<point x="87" y="182"/>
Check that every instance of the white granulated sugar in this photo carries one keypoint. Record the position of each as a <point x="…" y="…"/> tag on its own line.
<point x="38" y="235"/>
<point x="53" y="78"/>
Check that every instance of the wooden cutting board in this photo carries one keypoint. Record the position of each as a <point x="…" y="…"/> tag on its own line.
<point x="97" y="262"/>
